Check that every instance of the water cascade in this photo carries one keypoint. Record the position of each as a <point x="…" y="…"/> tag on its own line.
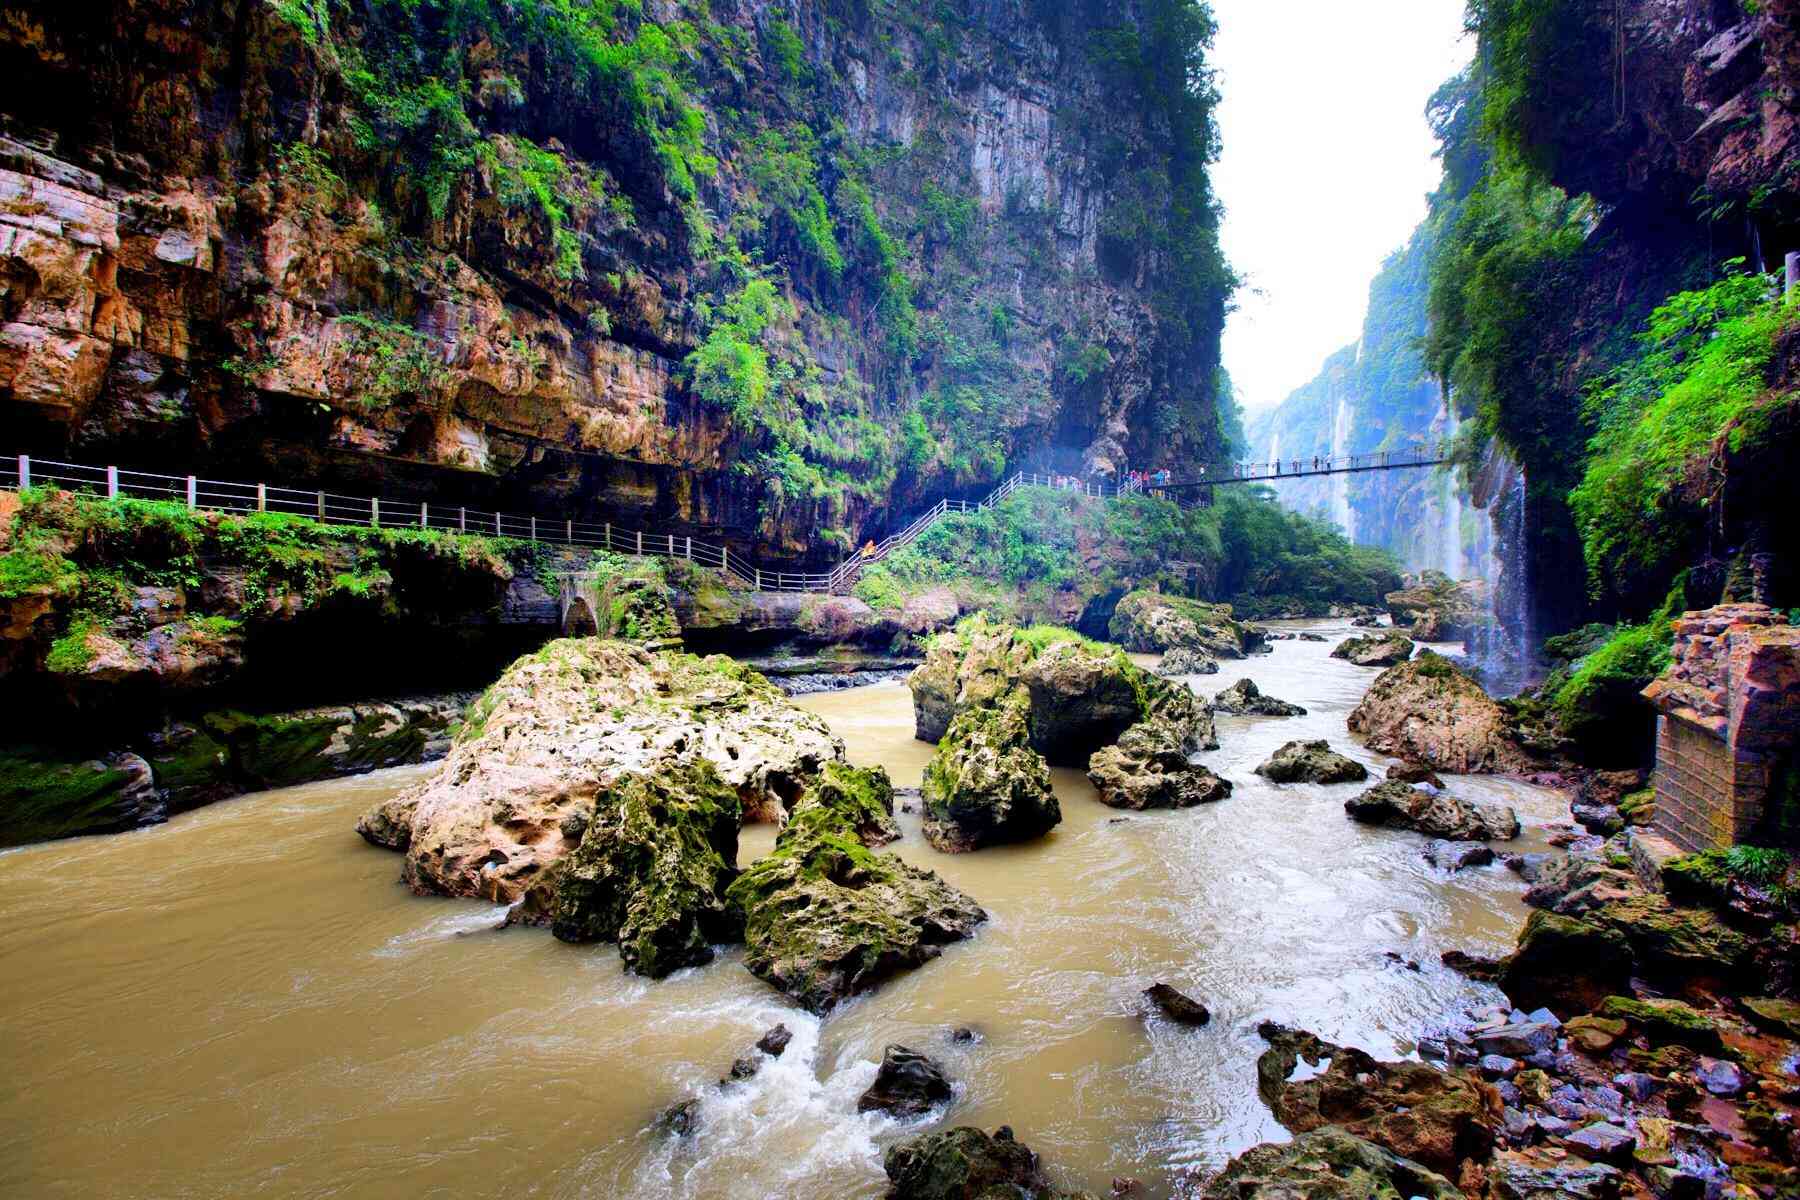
<point x="1340" y="484"/>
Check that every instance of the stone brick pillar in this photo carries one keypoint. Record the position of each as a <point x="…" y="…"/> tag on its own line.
<point x="1729" y="719"/>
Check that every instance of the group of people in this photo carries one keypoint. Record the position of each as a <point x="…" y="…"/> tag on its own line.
<point x="1144" y="479"/>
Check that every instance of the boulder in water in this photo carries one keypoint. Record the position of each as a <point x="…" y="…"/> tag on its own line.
<point x="1413" y="773"/>
<point x="1327" y="1164"/>
<point x="560" y="727"/>
<point x="826" y="918"/>
<point x="1417" y="1111"/>
<point x="1187" y="660"/>
<point x="1430" y="713"/>
<point x="1245" y="699"/>
<point x="1436" y="814"/>
<point x="986" y="786"/>
<point x="1082" y="697"/>
<point x="976" y="665"/>
<point x="1151" y="623"/>
<point x="1457" y="856"/>
<point x="907" y="1085"/>
<point x="1375" y="650"/>
<point x="865" y="795"/>
<point x="651" y="870"/>
<point x="1311" y="762"/>
<point x="1151" y="768"/>
<point x="1180" y="1008"/>
<point x="967" y="1164"/>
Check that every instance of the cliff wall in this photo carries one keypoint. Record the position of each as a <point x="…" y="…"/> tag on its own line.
<point x="761" y="271"/>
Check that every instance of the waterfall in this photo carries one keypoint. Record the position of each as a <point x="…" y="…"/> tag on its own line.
<point x="1454" y="562"/>
<point x="1340" y="484"/>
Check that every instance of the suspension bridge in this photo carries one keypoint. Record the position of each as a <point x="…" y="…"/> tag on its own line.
<point x="212" y="495"/>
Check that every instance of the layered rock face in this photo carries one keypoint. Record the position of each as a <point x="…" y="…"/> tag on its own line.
<point x="348" y="244"/>
<point x="561" y="727"/>
<point x="1430" y="713"/>
<point x="1153" y="623"/>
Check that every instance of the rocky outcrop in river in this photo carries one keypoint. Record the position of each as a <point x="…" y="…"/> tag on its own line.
<point x="986" y="786"/>
<point x="1311" y="762"/>
<point x="825" y="918"/>
<point x="1433" y="812"/>
<point x="1152" y="767"/>
<point x="1245" y="699"/>
<point x="1152" y="623"/>
<point x="968" y="1164"/>
<point x="560" y="727"/>
<point x="1375" y="649"/>
<point x="1429" y="712"/>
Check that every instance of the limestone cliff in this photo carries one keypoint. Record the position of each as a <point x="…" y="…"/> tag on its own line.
<point x="756" y="270"/>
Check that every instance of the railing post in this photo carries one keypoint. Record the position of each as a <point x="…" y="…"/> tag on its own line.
<point x="640" y="543"/>
<point x="462" y="520"/>
<point x="534" y="529"/>
<point x="759" y="579"/>
<point x="497" y="532"/>
<point x="24" y="471"/>
<point x="321" y="499"/>
<point x="608" y="535"/>
<point x="262" y="493"/>
<point x="569" y="532"/>
<point x="690" y="550"/>
<point x="374" y="513"/>
<point x="112" y="483"/>
<point x="193" y="496"/>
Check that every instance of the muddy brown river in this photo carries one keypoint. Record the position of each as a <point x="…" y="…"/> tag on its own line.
<point x="246" y="1001"/>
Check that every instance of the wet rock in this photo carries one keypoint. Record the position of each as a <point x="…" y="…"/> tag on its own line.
<point x="1375" y="650"/>
<point x="1635" y="1084"/>
<point x="1603" y="1141"/>
<point x="1151" y="768"/>
<point x="1534" y="1085"/>
<point x="1327" y="1164"/>
<point x="1181" y="1009"/>
<point x="774" y="1042"/>
<point x="864" y="795"/>
<point x="1187" y="660"/>
<point x="976" y="666"/>
<point x="1523" y="1176"/>
<point x="986" y="786"/>
<point x="1594" y="1035"/>
<point x="1473" y="966"/>
<point x="1522" y="1039"/>
<point x="1411" y="1108"/>
<point x="1566" y="964"/>
<point x="1498" y="1066"/>
<point x="965" y="1035"/>
<point x="1082" y="698"/>
<point x="1413" y="773"/>
<point x="966" y="1164"/>
<point x="1455" y="856"/>
<point x="679" y="1120"/>
<point x="742" y="1069"/>
<point x="1311" y="762"/>
<point x="1366" y="621"/>
<point x="44" y="796"/>
<point x="1598" y="818"/>
<point x="1310" y="637"/>
<point x="1774" y="1014"/>
<point x="1429" y="712"/>
<point x="1244" y="699"/>
<point x="1437" y="608"/>
<point x="826" y="918"/>
<point x="907" y="1085"/>
<point x="651" y="870"/>
<point x="1665" y="1020"/>
<point x="1438" y="815"/>
<point x="1527" y="866"/>
<point x="561" y="726"/>
<point x="1151" y="623"/>
<point x="1720" y="1077"/>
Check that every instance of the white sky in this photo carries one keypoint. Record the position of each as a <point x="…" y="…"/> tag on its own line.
<point x="1326" y="164"/>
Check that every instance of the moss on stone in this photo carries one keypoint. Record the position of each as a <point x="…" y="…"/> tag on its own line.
<point x="1670" y="1020"/>
<point x="861" y="797"/>
<point x="277" y="750"/>
<point x="652" y="868"/>
<point x="43" y="796"/>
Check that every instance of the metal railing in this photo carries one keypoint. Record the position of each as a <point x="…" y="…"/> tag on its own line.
<point x="213" y="495"/>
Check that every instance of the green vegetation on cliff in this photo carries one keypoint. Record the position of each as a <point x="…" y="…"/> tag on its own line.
<point x="1044" y="543"/>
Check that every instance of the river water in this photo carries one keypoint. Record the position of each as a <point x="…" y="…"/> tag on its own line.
<point x="246" y="1000"/>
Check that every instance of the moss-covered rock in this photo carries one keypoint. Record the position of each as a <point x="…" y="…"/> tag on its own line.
<point x="651" y="869"/>
<point x="825" y="918"/>
<point x="967" y="1164"/>
<point x="563" y="724"/>
<point x="1385" y="649"/>
<point x="1665" y="1020"/>
<point x="1566" y="964"/>
<point x="1413" y="1109"/>
<point x="1675" y="943"/>
<point x="1311" y="762"/>
<point x="864" y="796"/>
<point x="1245" y="699"/>
<point x="1151" y="623"/>
<point x="44" y="795"/>
<point x="986" y="786"/>
<point x="1436" y="814"/>
<point x="1151" y="767"/>
<point x="1327" y="1164"/>
<point x="1082" y="697"/>
<point x="975" y="665"/>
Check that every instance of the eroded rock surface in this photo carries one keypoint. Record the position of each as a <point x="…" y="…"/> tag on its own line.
<point x="1311" y="762"/>
<point x="1245" y="699"/>
<point x="1327" y="1164"/>
<point x="1375" y="649"/>
<point x="986" y="786"/>
<point x="1436" y="814"/>
<point x="967" y="1164"/>
<point x="1429" y="712"/>
<point x="1186" y="660"/>
<point x="1152" y="767"/>
<point x="1152" y="623"/>
<point x="561" y="726"/>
